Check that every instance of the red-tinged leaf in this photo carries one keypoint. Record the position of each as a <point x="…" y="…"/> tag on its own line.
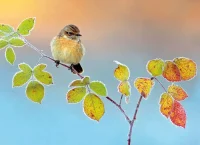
<point x="171" y="72"/>
<point x="178" y="115"/>
<point x="166" y="104"/>
<point x="177" y="92"/>
<point x="187" y="68"/>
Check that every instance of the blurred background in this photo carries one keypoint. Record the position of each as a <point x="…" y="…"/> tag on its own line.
<point x="130" y="31"/>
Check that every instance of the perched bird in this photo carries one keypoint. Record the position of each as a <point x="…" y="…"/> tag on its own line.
<point x="67" y="48"/>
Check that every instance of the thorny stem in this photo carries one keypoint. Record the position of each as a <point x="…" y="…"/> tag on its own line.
<point x="131" y="122"/>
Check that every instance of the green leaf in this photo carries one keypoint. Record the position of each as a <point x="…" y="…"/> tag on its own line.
<point x="10" y="55"/>
<point x="76" y="95"/>
<point x="3" y="43"/>
<point x="2" y="34"/>
<point x="155" y="67"/>
<point x="6" y="28"/>
<point x="99" y="88"/>
<point x="16" y="42"/>
<point x="26" y="26"/>
<point x="20" y="78"/>
<point x="8" y="37"/>
<point x="35" y="91"/>
<point x="86" y="80"/>
<point x="41" y="75"/>
<point x="93" y="107"/>
<point x="122" y="72"/>
<point x="124" y="88"/>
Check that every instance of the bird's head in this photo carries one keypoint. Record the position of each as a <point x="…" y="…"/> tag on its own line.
<point x="70" y="32"/>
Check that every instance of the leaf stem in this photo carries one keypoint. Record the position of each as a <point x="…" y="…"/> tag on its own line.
<point x="120" y="103"/>
<point x="120" y="108"/>
<point x="133" y="120"/>
<point x="160" y="84"/>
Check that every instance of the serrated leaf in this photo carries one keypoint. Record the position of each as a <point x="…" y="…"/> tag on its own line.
<point x="20" y="78"/>
<point x="26" y="26"/>
<point x="166" y="104"/>
<point x="86" y="80"/>
<point x="98" y="87"/>
<point x="187" y="68"/>
<point x="6" y="28"/>
<point x="155" y="67"/>
<point x="178" y="115"/>
<point x="144" y="86"/>
<point x="93" y="107"/>
<point x="122" y="72"/>
<point x="35" y="91"/>
<point x="16" y="42"/>
<point x="3" y="43"/>
<point x="41" y="75"/>
<point x="177" y="92"/>
<point x="10" y="55"/>
<point x="76" y="95"/>
<point x="124" y="88"/>
<point x="171" y="72"/>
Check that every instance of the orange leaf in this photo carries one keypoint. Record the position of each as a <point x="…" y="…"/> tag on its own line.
<point x="178" y="115"/>
<point x="144" y="86"/>
<point x="166" y="104"/>
<point x="177" y="92"/>
<point x="187" y="67"/>
<point x="171" y="72"/>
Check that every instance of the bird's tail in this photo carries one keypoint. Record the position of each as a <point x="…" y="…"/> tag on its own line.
<point x="78" y="68"/>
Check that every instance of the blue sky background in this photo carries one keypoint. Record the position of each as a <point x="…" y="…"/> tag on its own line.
<point x="114" y="33"/>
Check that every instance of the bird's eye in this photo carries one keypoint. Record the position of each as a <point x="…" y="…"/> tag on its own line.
<point x="69" y="33"/>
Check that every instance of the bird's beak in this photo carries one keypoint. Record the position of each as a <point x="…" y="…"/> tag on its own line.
<point x="78" y="35"/>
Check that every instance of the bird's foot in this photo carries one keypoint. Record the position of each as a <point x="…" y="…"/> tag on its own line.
<point x="72" y="69"/>
<point x="57" y="63"/>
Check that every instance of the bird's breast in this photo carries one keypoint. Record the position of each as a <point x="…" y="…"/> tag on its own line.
<point x="67" y="50"/>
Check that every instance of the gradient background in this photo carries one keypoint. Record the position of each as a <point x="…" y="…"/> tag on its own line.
<point x="130" y="31"/>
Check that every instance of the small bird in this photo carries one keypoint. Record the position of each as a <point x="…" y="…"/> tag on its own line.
<point x="67" y="48"/>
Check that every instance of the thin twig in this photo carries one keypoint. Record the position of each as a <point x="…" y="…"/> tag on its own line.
<point x="133" y="120"/>
<point x="160" y="84"/>
<point x="120" y="108"/>
<point x="120" y="103"/>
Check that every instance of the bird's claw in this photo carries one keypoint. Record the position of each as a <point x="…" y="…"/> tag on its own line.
<point x="57" y="63"/>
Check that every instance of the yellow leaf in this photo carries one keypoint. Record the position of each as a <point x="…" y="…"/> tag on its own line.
<point x="166" y="104"/>
<point x="76" y="95"/>
<point x="155" y="67"/>
<point x="144" y="86"/>
<point x="177" y="92"/>
<point x="187" y="68"/>
<point x="78" y="83"/>
<point x="35" y="91"/>
<point x="171" y="72"/>
<point x="122" y="72"/>
<point x="124" y="88"/>
<point x="41" y="75"/>
<point x="93" y="107"/>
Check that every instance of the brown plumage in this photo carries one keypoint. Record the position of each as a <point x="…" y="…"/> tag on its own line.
<point x="67" y="47"/>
